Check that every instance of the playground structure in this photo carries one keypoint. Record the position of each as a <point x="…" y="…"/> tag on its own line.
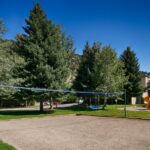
<point x="97" y="105"/>
<point x="147" y="101"/>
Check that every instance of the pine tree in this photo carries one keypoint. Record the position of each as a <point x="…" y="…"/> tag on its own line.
<point x="45" y="50"/>
<point x="83" y="79"/>
<point x="132" y="71"/>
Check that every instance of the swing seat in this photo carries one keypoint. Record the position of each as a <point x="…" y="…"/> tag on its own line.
<point x="95" y="107"/>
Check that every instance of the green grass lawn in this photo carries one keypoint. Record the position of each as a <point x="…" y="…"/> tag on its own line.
<point x="5" y="146"/>
<point x="110" y="111"/>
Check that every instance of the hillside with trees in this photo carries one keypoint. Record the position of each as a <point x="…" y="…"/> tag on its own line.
<point x="145" y="73"/>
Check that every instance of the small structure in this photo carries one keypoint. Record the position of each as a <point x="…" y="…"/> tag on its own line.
<point x="133" y="100"/>
<point x="144" y="80"/>
<point x="146" y="95"/>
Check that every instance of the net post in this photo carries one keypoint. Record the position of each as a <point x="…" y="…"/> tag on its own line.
<point x="125" y="103"/>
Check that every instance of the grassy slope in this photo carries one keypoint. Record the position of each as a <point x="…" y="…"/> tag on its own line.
<point x="4" y="146"/>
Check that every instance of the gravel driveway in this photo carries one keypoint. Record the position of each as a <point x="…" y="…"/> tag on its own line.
<point x="76" y="133"/>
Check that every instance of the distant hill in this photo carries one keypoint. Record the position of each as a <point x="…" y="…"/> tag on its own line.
<point x="145" y="73"/>
<point x="75" y="63"/>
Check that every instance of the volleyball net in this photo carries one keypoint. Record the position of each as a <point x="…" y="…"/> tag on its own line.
<point x="60" y="90"/>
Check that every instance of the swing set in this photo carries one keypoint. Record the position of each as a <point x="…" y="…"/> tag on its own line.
<point x="94" y="102"/>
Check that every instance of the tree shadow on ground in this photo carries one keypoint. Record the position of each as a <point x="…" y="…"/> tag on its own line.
<point x="74" y="108"/>
<point x="25" y="112"/>
<point x="47" y="111"/>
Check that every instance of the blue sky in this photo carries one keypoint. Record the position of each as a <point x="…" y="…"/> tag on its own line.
<point x="120" y="23"/>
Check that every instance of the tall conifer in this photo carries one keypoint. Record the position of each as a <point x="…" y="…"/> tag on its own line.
<point x="132" y="71"/>
<point x="45" y="50"/>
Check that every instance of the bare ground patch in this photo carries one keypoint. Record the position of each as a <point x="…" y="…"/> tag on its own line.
<point x="76" y="133"/>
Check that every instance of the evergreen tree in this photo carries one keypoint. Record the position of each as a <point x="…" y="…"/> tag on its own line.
<point x="45" y="50"/>
<point x="83" y="79"/>
<point x="132" y="71"/>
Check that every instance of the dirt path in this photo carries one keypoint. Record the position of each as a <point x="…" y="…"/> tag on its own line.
<point x="76" y="133"/>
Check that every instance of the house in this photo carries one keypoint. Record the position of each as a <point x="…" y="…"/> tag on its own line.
<point x="144" y="81"/>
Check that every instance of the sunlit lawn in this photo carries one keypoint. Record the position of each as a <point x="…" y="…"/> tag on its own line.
<point x="110" y="111"/>
<point x="113" y="111"/>
<point x="18" y="114"/>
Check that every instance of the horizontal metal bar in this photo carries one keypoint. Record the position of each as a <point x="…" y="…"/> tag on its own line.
<point x="61" y="90"/>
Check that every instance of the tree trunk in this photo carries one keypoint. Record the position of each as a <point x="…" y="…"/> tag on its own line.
<point x="41" y="106"/>
<point x="26" y="103"/>
<point x="50" y="103"/>
<point x="0" y="104"/>
<point x="105" y="103"/>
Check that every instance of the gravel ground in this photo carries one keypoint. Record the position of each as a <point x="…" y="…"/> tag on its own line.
<point x="76" y="133"/>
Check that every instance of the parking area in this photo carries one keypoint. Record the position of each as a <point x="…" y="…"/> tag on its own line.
<point x="76" y="133"/>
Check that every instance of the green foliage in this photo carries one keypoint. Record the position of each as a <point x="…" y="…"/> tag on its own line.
<point x="45" y="49"/>
<point x="100" y="70"/>
<point x="44" y="57"/>
<point x="132" y="71"/>
<point x="8" y="60"/>
<point x="67" y="98"/>
<point x="108" y="74"/>
<point x="83" y="79"/>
